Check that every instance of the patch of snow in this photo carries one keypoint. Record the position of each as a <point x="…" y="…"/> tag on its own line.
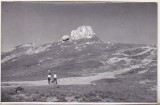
<point x="29" y="45"/>
<point x="79" y="49"/>
<point x="103" y="62"/>
<point x="117" y="53"/>
<point x="44" y="59"/>
<point x="115" y="60"/>
<point x="64" y="46"/>
<point x="154" y="88"/>
<point x="75" y="42"/>
<point x="146" y="61"/>
<point x="10" y="50"/>
<point x="59" y="43"/>
<point x="13" y="60"/>
<point x="147" y="47"/>
<point x="147" y="50"/>
<point x="31" y="51"/>
<point x="40" y="49"/>
<point x="144" y="81"/>
<point x="93" y="84"/>
<point x="88" y="43"/>
<point x="153" y="53"/>
<point x="76" y="47"/>
<point x="7" y="58"/>
<point x="92" y="42"/>
<point x="141" y="72"/>
<point x="81" y="56"/>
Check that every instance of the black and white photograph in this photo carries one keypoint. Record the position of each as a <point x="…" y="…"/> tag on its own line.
<point x="79" y="51"/>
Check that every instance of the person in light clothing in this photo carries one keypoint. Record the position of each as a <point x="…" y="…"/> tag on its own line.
<point x="54" y="78"/>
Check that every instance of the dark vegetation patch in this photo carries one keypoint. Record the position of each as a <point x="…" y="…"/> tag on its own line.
<point x="107" y="81"/>
<point x="133" y="71"/>
<point x="145" y="55"/>
<point x="40" y="72"/>
<point x="134" y="51"/>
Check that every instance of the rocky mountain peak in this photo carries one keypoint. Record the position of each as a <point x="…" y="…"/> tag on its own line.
<point x="80" y="33"/>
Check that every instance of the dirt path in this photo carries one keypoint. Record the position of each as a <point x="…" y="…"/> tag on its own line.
<point x="73" y="80"/>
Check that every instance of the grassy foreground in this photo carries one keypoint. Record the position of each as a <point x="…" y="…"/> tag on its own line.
<point x="109" y="90"/>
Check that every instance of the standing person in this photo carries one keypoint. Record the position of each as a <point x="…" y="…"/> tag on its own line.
<point x="55" y="78"/>
<point x="49" y="76"/>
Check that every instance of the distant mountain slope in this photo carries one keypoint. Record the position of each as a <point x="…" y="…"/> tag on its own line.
<point x="80" y="54"/>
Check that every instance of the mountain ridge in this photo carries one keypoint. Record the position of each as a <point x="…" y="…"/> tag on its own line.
<point x="73" y="57"/>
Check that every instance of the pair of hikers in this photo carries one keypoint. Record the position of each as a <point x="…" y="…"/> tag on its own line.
<point x="50" y="79"/>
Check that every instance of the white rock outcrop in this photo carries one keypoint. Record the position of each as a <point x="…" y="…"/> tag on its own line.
<point x="82" y="32"/>
<point x="38" y="49"/>
<point x="29" y="45"/>
<point x="79" y="33"/>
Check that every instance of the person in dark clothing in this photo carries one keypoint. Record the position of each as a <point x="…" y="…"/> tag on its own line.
<point x="49" y="76"/>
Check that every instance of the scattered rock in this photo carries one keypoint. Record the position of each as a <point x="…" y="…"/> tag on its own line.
<point x="52" y="99"/>
<point x="71" y="99"/>
<point x="61" y="98"/>
<point x="19" y="89"/>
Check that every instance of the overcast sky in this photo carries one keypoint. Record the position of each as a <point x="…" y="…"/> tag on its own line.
<point x="29" y="22"/>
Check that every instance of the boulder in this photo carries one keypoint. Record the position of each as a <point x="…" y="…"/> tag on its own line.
<point x="19" y="89"/>
<point x="65" y="38"/>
